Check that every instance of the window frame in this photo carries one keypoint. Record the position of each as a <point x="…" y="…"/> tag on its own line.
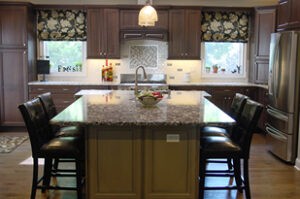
<point x="222" y="75"/>
<point x="41" y="55"/>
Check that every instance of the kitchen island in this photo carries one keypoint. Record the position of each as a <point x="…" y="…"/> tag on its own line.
<point x="135" y="152"/>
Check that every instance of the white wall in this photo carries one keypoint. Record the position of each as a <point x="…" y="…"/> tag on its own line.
<point x="174" y="69"/>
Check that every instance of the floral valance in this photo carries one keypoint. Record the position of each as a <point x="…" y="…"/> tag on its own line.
<point x="61" y="25"/>
<point x="218" y="26"/>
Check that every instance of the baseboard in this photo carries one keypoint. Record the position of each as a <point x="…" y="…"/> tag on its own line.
<point x="297" y="164"/>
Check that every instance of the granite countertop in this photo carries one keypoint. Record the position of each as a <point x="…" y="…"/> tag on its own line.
<point x="130" y="84"/>
<point x="118" y="108"/>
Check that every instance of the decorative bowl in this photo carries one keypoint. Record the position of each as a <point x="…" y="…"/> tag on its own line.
<point x="149" y="98"/>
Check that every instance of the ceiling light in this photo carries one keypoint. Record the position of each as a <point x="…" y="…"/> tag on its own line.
<point x="147" y="15"/>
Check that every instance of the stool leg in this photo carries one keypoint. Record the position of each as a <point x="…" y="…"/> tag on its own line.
<point x="229" y="164"/>
<point x="202" y="169"/>
<point x="78" y="178"/>
<point x="47" y="174"/>
<point x="34" y="178"/>
<point x="246" y="179"/>
<point x="237" y="173"/>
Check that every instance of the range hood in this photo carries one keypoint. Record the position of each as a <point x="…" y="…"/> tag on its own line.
<point x="144" y="33"/>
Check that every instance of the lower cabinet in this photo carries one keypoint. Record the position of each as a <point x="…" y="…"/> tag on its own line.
<point x="133" y="163"/>
<point x="13" y="86"/>
<point x="63" y="95"/>
<point x="263" y="99"/>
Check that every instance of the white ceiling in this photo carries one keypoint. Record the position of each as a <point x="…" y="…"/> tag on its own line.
<point x="223" y="3"/>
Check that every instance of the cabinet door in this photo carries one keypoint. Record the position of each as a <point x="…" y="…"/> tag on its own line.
<point x="283" y="14"/>
<point x="110" y="41"/>
<point x="94" y="36"/>
<point x="192" y="34"/>
<point x="176" y="34"/>
<point x="261" y="71"/>
<point x="295" y="14"/>
<point x="264" y="26"/>
<point x="13" y="26"/>
<point x="129" y="20"/>
<point x="13" y="76"/>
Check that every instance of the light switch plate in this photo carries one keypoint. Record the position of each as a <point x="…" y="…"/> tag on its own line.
<point x="173" y="138"/>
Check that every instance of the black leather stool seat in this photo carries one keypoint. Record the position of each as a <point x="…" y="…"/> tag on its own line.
<point x="69" y="131"/>
<point x="214" y="131"/>
<point x="216" y="146"/>
<point x="62" y="147"/>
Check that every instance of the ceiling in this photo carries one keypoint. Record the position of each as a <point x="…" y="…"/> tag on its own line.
<point x="221" y="3"/>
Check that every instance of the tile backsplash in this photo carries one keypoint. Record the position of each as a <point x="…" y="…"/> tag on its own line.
<point x="153" y="56"/>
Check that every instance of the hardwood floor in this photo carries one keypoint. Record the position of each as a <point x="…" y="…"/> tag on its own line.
<point x="269" y="177"/>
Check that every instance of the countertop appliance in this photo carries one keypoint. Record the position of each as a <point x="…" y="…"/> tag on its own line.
<point x="283" y="106"/>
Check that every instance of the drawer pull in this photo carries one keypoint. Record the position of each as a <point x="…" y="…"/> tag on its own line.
<point x="40" y="89"/>
<point x="65" y="89"/>
<point x="66" y="101"/>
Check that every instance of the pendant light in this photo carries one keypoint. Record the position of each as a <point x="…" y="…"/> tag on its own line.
<point x="147" y="15"/>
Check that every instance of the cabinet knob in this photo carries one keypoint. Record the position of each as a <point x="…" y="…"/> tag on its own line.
<point x="101" y="53"/>
<point x="24" y="44"/>
<point x="186" y="54"/>
<point x="182" y="54"/>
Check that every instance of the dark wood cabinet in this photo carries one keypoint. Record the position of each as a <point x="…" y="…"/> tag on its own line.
<point x="288" y="15"/>
<point x="13" y="32"/>
<point x="13" y="85"/>
<point x="129" y="20"/>
<point x="265" y="22"/>
<point x="62" y="95"/>
<point x="184" y="34"/>
<point x="17" y="59"/>
<point x="263" y="99"/>
<point x="103" y="33"/>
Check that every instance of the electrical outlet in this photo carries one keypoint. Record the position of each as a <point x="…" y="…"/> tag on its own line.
<point x="173" y="138"/>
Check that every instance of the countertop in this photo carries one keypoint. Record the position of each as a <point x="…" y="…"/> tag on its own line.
<point x="123" y="84"/>
<point x="119" y="108"/>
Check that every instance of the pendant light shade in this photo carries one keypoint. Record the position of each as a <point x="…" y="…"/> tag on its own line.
<point x="148" y="15"/>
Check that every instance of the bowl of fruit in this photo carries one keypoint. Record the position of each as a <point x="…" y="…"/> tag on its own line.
<point x="149" y="98"/>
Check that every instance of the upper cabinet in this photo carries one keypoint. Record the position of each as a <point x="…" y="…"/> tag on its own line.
<point x="184" y="34"/>
<point x="103" y="33"/>
<point x="129" y="20"/>
<point x="265" y="22"/>
<point x="13" y="30"/>
<point x="288" y="15"/>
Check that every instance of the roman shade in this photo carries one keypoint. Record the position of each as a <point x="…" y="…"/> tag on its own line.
<point x="61" y="25"/>
<point x="225" y="26"/>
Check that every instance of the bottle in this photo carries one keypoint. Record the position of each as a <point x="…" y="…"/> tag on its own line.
<point x="102" y="71"/>
<point x="110" y="73"/>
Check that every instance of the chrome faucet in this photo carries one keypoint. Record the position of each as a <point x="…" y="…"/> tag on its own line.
<point x="136" y="81"/>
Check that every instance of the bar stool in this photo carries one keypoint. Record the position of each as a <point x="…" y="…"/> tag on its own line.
<point x="237" y="148"/>
<point x="43" y="145"/>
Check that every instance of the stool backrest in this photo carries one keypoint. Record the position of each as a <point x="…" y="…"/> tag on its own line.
<point x="237" y="106"/>
<point x="48" y="105"/>
<point x="243" y="131"/>
<point x="37" y="124"/>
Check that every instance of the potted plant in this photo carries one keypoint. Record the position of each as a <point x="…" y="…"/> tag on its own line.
<point x="215" y="68"/>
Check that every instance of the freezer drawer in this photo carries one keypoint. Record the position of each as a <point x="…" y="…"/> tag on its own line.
<point x="280" y="144"/>
<point x="284" y="122"/>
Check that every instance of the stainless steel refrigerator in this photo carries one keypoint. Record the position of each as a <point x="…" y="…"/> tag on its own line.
<point x="283" y="106"/>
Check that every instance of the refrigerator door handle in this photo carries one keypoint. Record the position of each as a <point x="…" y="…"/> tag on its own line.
<point x="276" y="114"/>
<point x="275" y="133"/>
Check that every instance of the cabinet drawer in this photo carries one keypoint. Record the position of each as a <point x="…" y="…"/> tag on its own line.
<point x="53" y="89"/>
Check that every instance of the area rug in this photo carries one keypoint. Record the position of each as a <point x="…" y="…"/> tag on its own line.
<point x="10" y="143"/>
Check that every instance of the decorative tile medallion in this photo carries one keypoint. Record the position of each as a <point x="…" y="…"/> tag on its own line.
<point x="143" y="56"/>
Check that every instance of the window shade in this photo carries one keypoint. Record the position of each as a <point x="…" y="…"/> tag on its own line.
<point x="61" y="25"/>
<point x="220" y="26"/>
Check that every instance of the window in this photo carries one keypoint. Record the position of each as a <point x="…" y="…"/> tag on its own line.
<point x="66" y="57"/>
<point x="224" y="59"/>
